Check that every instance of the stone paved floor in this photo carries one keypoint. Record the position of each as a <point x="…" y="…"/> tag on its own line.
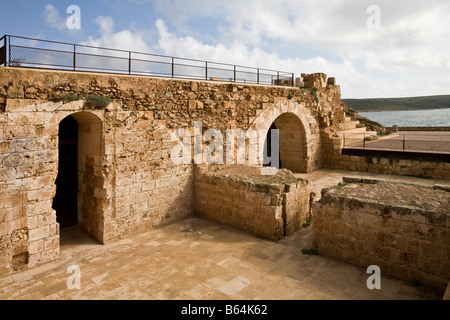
<point x="211" y="262"/>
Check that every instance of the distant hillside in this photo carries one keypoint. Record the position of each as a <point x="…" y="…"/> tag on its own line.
<point x="397" y="104"/>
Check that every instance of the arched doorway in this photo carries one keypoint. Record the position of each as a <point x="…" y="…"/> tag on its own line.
<point x="292" y="142"/>
<point x="79" y="183"/>
<point x="65" y="202"/>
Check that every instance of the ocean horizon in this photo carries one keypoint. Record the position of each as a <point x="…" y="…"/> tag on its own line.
<point x="411" y="118"/>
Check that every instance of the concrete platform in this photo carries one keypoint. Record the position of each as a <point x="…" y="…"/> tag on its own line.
<point x="209" y="261"/>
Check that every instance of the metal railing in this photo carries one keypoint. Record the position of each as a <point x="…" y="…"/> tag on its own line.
<point x="36" y="53"/>
<point x="398" y="142"/>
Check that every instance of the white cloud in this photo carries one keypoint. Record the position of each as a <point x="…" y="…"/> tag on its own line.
<point x="106" y="25"/>
<point x="53" y="18"/>
<point x="125" y="39"/>
<point x="408" y="56"/>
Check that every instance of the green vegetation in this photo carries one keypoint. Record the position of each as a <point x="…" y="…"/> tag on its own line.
<point x="66" y="98"/>
<point x="342" y="185"/>
<point x="289" y="96"/>
<point x="311" y="251"/>
<point x="398" y="104"/>
<point x="97" y="102"/>
<point x="370" y="124"/>
<point x="311" y="90"/>
<point x="308" y="222"/>
<point x="93" y="101"/>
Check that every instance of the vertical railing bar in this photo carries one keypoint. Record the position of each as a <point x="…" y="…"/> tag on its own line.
<point x="4" y="46"/>
<point x="129" y="62"/>
<point x="172" y="66"/>
<point x="74" y="56"/>
<point x="258" y="76"/>
<point x="206" y="70"/>
<point x="9" y="51"/>
<point x="234" y="73"/>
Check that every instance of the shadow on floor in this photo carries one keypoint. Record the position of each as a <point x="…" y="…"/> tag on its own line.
<point x="75" y="240"/>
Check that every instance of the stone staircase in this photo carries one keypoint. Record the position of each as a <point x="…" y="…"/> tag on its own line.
<point x="353" y="134"/>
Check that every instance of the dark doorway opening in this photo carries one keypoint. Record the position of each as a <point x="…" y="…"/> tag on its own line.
<point x="65" y="202"/>
<point x="268" y="147"/>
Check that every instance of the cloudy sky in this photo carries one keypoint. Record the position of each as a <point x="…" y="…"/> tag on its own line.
<point x="402" y="49"/>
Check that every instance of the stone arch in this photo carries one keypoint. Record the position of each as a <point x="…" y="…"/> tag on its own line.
<point x="299" y="132"/>
<point x="90" y="181"/>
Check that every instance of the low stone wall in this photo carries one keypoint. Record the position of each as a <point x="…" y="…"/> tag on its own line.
<point x="380" y="164"/>
<point x="440" y="129"/>
<point x="238" y="197"/>
<point x="403" y="229"/>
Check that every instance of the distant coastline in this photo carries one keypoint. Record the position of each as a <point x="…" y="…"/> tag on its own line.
<point x="399" y="104"/>
<point x="368" y="111"/>
<point x="410" y="118"/>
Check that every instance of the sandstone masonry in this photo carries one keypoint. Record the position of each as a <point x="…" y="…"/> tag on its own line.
<point x="403" y="229"/>
<point x="239" y="197"/>
<point x="127" y="181"/>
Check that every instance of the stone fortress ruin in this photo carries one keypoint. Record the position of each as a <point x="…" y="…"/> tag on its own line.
<point x="108" y="167"/>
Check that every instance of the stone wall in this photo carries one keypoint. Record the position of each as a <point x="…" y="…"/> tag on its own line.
<point x="239" y="197"/>
<point x="380" y="164"/>
<point x="403" y="229"/>
<point x="128" y="183"/>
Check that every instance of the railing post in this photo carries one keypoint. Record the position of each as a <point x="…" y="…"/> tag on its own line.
<point x="278" y="78"/>
<point x="293" y="84"/>
<point x="258" y="76"/>
<point x="3" y="52"/>
<point x="234" y="73"/>
<point x="129" y="62"/>
<point x="74" y="56"/>
<point x="173" y="67"/>
<point x="9" y="51"/>
<point x="206" y="70"/>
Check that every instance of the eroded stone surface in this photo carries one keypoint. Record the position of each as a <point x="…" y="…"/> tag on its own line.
<point x="404" y="229"/>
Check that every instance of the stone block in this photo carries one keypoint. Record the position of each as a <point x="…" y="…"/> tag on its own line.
<point x="38" y="233"/>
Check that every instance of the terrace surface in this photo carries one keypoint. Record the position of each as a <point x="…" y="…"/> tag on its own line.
<point x="197" y="260"/>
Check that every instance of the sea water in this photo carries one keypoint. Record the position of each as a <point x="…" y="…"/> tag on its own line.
<point x="416" y="118"/>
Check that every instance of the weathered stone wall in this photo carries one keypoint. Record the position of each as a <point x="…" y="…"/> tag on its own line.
<point x="419" y="168"/>
<point x="405" y="230"/>
<point x="128" y="182"/>
<point x="268" y="206"/>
